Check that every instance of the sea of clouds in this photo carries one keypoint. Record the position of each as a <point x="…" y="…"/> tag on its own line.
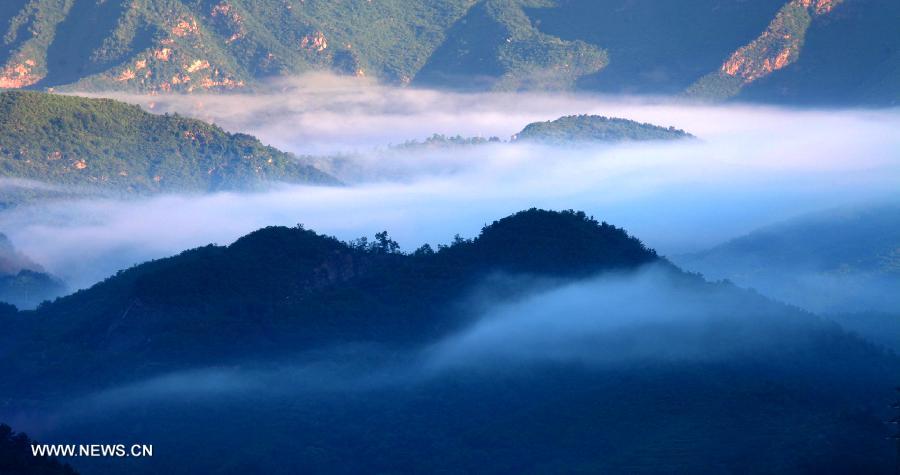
<point x="750" y="166"/>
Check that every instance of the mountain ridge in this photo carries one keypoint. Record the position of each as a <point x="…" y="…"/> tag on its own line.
<point x="277" y="288"/>
<point x="599" y="339"/>
<point x="711" y="49"/>
<point x="69" y="140"/>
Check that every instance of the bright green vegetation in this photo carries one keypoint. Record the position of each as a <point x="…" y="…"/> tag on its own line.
<point x="595" y="128"/>
<point x="68" y="140"/>
<point x="160" y="45"/>
<point x="632" y="46"/>
<point x="497" y="45"/>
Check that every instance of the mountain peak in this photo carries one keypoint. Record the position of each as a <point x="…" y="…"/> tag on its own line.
<point x="284" y="289"/>
<point x="559" y="242"/>
<point x="596" y="128"/>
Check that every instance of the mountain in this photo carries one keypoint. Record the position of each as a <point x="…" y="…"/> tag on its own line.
<point x="27" y="288"/>
<point x="803" y="51"/>
<point x="285" y="289"/>
<point x="23" y="282"/>
<point x="188" y="45"/>
<point x="595" y="128"/>
<point x="566" y="131"/>
<point x="81" y="142"/>
<point x="571" y="129"/>
<point x="842" y="260"/>
<point x="851" y="55"/>
<point x="842" y="263"/>
<point x="496" y="45"/>
<point x="534" y="347"/>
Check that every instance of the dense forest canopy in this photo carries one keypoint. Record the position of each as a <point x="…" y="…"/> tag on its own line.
<point x="595" y="128"/>
<point x="101" y="143"/>
<point x="802" y="51"/>
<point x="599" y="340"/>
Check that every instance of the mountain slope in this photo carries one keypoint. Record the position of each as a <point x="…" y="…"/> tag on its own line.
<point x="497" y="45"/>
<point x="579" y="348"/>
<point x="78" y="141"/>
<point x="187" y="45"/>
<point x="841" y="260"/>
<point x="850" y="56"/>
<point x="813" y="51"/>
<point x="594" y="128"/>
<point x="282" y="290"/>
<point x="23" y="282"/>
<point x="780" y="45"/>
<point x="656" y="47"/>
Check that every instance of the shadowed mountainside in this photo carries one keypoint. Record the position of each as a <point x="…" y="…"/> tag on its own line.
<point x="24" y="283"/>
<point x="601" y="344"/>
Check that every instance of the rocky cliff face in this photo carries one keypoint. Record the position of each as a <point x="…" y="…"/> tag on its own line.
<point x="780" y="44"/>
<point x="777" y="47"/>
<point x="162" y="46"/>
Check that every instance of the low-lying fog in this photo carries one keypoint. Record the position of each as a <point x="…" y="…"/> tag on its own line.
<point x="645" y="315"/>
<point x="751" y="166"/>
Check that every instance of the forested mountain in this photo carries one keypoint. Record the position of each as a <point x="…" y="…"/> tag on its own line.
<point x="640" y="355"/>
<point x="850" y="56"/>
<point x="595" y="128"/>
<point x="280" y="289"/>
<point x="807" y="51"/>
<point x="66" y="140"/>
<point x="573" y="129"/>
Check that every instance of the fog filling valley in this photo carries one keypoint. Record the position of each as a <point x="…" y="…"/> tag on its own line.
<point x="645" y="316"/>
<point x="750" y="166"/>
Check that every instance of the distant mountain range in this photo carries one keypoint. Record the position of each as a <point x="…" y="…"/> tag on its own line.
<point x="840" y="260"/>
<point x="572" y="130"/>
<point x="289" y="295"/>
<point x="796" y="51"/>
<point x="843" y="263"/>
<point x="60" y="146"/>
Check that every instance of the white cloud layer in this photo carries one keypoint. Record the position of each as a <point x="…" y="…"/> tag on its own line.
<point x="752" y="166"/>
